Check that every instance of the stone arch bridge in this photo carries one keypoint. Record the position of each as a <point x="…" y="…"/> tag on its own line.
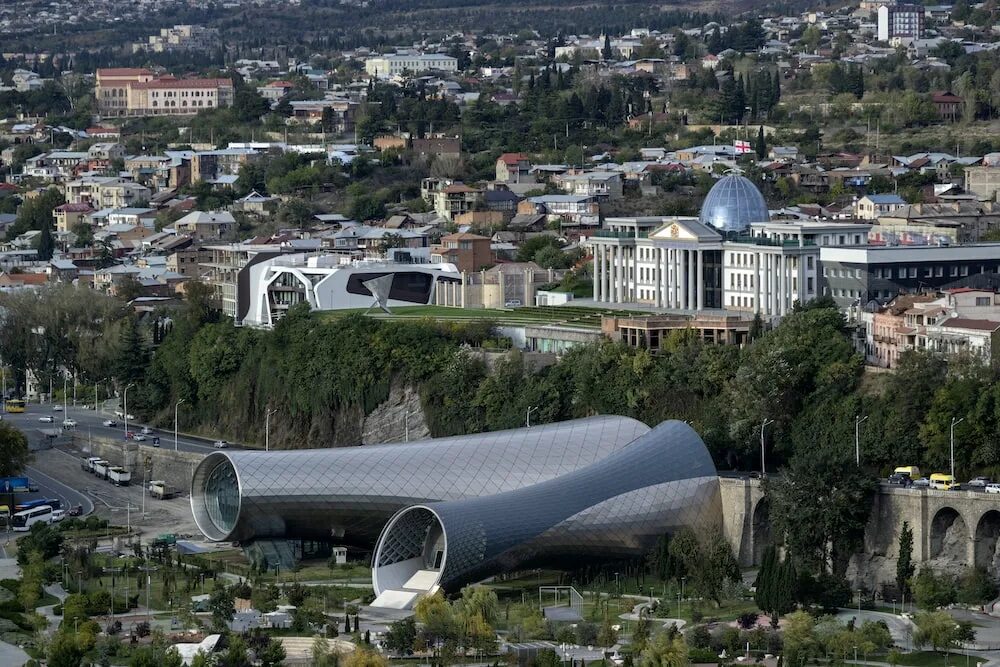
<point x="951" y="529"/>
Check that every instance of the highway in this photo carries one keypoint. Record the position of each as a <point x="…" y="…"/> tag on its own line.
<point x="91" y="422"/>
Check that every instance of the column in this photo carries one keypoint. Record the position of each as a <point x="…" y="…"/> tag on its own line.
<point x="597" y="273"/>
<point x="782" y="284"/>
<point x="661" y="260"/>
<point x="769" y="285"/>
<point x="692" y="281"/>
<point x="622" y="275"/>
<point x="658" y="271"/>
<point x="758" y="276"/>
<point x="701" y="280"/>
<point x="801" y="276"/>
<point x="682" y="268"/>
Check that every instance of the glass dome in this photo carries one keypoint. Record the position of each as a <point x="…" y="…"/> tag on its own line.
<point x="732" y="204"/>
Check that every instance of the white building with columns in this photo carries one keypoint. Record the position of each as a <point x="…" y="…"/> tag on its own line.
<point x="735" y="263"/>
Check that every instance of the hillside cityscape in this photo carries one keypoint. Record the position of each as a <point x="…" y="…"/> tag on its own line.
<point x="358" y="333"/>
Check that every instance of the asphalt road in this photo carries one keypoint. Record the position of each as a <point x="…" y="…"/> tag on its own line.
<point x="91" y="422"/>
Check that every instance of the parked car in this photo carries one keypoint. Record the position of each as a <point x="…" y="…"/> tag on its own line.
<point x="139" y="437"/>
<point x="993" y="487"/>
<point x="45" y="418"/>
<point x="58" y="515"/>
<point x="145" y="430"/>
<point x="979" y="482"/>
<point x="220" y="444"/>
<point x="76" y="511"/>
<point x="69" y="423"/>
<point x="110" y="423"/>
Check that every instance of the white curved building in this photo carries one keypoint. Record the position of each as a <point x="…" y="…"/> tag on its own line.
<point x="331" y="282"/>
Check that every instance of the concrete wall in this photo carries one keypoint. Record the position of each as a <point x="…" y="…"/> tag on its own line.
<point x="740" y="502"/>
<point x="144" y="461"/>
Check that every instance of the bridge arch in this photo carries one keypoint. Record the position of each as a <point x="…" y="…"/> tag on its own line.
<point x="760" y="526"/>
<point x="949" y="536"/>
<point x="987" y="537"/>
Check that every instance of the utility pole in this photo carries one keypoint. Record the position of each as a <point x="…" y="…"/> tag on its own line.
<point x="267" y="429"/>
<point x="527" y="417"/>
<point x="177" y="405"/>
<point x="858" y="420"/>
<point x="954" y="422"/>
<point x="125" y="408"/>
<point x="763" y="425"/>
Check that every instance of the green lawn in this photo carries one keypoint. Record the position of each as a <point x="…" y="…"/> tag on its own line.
<point x="934" y="659"/>
<point x="578" y="316"/>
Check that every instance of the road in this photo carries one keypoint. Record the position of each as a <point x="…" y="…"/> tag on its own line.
<point x="91" y="422"/>
<point x="49" y="487"/>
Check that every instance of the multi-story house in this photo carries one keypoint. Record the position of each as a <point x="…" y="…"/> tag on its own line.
<point x="604" y="185"/>
<point x="206" y="225"/>
<point x="514" y="168"/>
<point x="394" y="64"/>
<point x="469" y="252"/>
<point x="871" y="207"/>
<point x="106" y="192"/>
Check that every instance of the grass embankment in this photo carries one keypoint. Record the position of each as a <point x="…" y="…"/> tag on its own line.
<point x="575" y="316"/>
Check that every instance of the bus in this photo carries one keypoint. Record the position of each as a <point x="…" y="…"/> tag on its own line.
<point x="14" y="405"/>
<point x="23" y="521"/>
<point x="31" y="504"/>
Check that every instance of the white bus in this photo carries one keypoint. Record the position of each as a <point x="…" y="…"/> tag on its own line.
<point x="23" y="521"/>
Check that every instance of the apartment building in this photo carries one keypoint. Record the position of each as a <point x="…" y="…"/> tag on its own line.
<point x="106" y="192"/>
<point x="900" y="21"/>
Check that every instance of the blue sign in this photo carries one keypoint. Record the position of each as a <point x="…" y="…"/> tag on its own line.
<point x="13" y="484"/>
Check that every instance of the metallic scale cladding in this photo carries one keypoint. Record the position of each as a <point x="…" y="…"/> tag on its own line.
<point x="615" y="507"/>
<point x="732" y="204"/>
<point x="349" y="493"/>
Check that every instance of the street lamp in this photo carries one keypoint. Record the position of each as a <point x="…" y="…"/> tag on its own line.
<point x="858" y="420"/>
<point x="148" y="569"/>
<point x="953" y="423"/>
<point x="65" y="391"/>
<point x="763" y="425"/>
<point x="527" y="417"/>
<point x="267" y="428"/>
<point x="125" y="408"/>
<point x="176" y="406"/>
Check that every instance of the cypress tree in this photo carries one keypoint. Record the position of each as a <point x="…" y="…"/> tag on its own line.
<point x="46" y="244"/>
<point x="764" y="595"/>
<point x="904" y="561"/>
<point x="761" y="146"/>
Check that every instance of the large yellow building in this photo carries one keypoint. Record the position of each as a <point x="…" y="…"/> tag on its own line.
<point x="139" y="92"/>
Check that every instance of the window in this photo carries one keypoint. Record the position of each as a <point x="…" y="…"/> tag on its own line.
<point x="928" y="271"/>
<point x="901" y="273"/>
<point x="939" y="271"/>
<point x="982" y="300"/>
<point x="809" y="285"/>
<point x="809" y="262"/>
<point x="964" y="271"/>
<point x="953" y="271"/>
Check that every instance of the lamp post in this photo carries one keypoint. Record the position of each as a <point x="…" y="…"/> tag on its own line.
<point x="177" y="405"/>
<point x="858" y="420"/>
<point x="125" y="407"/>
<point x="267" y="429"/>
<point x="406" y="424"/>
<point x="527" y="417"/>
<point x="65" y="391"/>
<point x="954" y="422"/>
<point x="96" y="399"/>
<point x="3" y="399"/>
<point x="148" y="569"/>
<point x="763" y="425"/>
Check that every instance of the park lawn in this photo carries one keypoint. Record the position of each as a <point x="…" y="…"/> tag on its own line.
<point x="935" y="659"/>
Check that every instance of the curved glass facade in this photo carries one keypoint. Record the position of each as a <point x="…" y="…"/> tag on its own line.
<point x="617" y="507"/>
<point x="732" y="204"/>
<point x="348" y="493"/>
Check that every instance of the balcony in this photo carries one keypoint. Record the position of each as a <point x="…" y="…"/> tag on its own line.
<point x="608" y="234"/>
<point x="774" y="243"/>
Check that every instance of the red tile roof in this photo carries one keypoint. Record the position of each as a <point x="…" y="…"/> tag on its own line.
<point x="965" y="323"/>
<point x="511" y="159"/>
<point x="74" y="208"/>
<point x="114" y="72"/>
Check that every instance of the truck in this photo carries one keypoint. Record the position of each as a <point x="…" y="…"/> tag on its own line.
<point x="120" y="476"/>
<point x="101" y="468"/>
<point x="159" y="489"/>
<point x="88" y="463"/>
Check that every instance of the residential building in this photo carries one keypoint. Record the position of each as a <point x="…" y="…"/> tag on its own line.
<point x="983" y="181"/>
<point x="180" y="38"/>
<point x="871" y="207"/>
<point x="275" y="90"/>
<point x="139" y="92"/>
<point x="468" y="252"/>
<point x="394" y="64"/>
<point x="604" y="185"/>
<point x="68" y="216"/>
<point x="226" y="270"/>
<point x="106" y="192"/>
<point x="567" y="210"/>
<point x="900" y="21"/>
<point x="514" y="168"/>
<point x="947" y="104"/>
<point x="450" y="198"/>
<point x="951" y="222"/>
<point x="221" y="167"/>
<point x="205" y="225"/>
<point x="187" y="261"/>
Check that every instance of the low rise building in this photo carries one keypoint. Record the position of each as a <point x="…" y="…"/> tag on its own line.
<point x="871" y="207"/>
<point x="468" y="252"/>
<point x="396" y="64"/>
<point x="139" y="92"/>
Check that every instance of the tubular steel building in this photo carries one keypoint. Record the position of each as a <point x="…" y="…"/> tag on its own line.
<point x="347" y="494"/>
<point x="445" y="512"/>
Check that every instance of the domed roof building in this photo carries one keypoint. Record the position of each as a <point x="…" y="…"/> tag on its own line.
<point x="732" y="204"/>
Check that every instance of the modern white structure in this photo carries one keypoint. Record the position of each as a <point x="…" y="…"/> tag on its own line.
<point x="331" y="282"/>
<point x="399" y="63"/>
<point x="724" y="260"/>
